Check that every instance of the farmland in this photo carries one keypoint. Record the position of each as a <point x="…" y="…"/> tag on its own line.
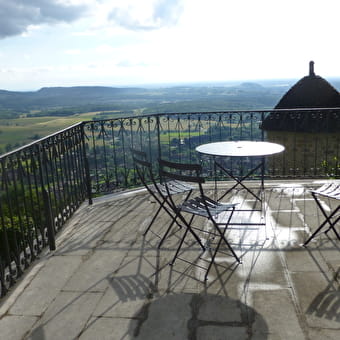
<point x="26" y="117"/>
<point x="20" y="131"/>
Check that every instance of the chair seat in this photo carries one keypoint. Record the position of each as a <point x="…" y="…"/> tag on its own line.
<point x="175" y="187"/>
<point x="331" y="190"/>
<point x="197" y="206"/>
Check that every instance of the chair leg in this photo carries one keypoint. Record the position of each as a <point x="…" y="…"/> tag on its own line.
<point x="153" y="220"/>
<point x="222" y="237"/>
<point x="222" y="234"/>
<point x="332" y="227"/>
<point x="162" y="205"/>
<point x="212" y="259"/>
<point x="327" y="220"/>
<point x="187" y="229"/>
<point x="166" y="233"/>
<point x="179" y="247"/>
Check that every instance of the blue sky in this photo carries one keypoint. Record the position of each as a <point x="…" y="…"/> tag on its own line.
<point x="134" y="42"/>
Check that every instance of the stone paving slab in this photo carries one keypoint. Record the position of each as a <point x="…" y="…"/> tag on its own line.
<point x="220" y="332"/>
<point x="14" y="327"/>
<point x="323" y="334"/>
<point x="112" y="305"/>
<point x="265" y="260"/>
<point x="95" y="271"/>
<point x="319" y="298"/>
<point x="285" y="219"/>
<point x="91" y="237"/>
<point x="128" y="289"/>
<point x="172" y="310"/>
<point x="66" y="317"/>
<point x="277" y="308"/>
<point x="298" y="259"/>
<point x="109" y="329"/>
<point x="211" y="310"/>
<point x="107" y="281"/>
<point x="43" y="290"/>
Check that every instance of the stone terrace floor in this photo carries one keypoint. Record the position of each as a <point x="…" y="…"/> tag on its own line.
<point x="107" y="281"/>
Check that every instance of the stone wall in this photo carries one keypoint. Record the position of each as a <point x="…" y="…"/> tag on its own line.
<point x="306" y="154"/>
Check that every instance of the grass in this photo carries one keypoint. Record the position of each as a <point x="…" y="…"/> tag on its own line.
<point x="164" y="137"/>
<point x="21" y="131"/>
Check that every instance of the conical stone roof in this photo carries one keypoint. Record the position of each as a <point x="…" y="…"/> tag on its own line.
<point x="311" y="91"/>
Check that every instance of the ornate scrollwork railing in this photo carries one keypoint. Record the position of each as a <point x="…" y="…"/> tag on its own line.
<point x="43" y="183"/>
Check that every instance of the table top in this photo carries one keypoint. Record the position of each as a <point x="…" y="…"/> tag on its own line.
<point x="240" y="149"/>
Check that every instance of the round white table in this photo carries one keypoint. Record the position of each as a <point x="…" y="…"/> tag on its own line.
<point x="241" y="149"/>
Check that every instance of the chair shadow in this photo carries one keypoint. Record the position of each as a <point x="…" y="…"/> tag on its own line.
<point x="327" y="303"/>
<point x="132" y="287"/>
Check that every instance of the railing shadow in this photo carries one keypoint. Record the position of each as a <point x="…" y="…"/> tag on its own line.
<point x="139" y="284"/>
<point x="326" y="304"/>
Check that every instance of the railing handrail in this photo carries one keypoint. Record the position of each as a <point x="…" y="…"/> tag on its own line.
<point x="40" y="140"/>
<point x="84" y="122"/>
<point x="214" y="112"/>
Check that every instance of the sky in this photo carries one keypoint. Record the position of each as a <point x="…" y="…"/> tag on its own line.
<point x="134" y="42"/>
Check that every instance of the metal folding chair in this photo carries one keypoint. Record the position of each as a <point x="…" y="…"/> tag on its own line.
<point x="158" y="190"/>
<point x="200" y="205"/>
<point x="330" y="191"/>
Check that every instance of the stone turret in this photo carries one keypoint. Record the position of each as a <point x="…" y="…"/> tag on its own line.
<point x="308" y="137"/>
<point x="311" y="69"/>
<point x="311" y="91"/>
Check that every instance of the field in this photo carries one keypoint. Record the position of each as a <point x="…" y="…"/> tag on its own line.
<point x="58" y="105"/>
<point x="17" y="132"/>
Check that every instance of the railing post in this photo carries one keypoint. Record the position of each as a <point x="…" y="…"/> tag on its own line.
<point x="158" y="138"/>
<point x="158" y="143"/>
<point x="86" y="164"/>
<point x="49" y="219"/>
<point x="262" y="131"/>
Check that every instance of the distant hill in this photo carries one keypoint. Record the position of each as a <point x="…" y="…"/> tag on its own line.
<point x="181" y="98"/>
<point x="66" y="97"/>
<point x="85" y="91"/>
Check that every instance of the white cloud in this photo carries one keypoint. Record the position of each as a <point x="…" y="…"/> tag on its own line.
<point x="147" y="14"/>
<point x="87" y="33"/>
<point x="73" y="52"/>
<point x="105" y="49"/>
<point x="16" y="16"/>
<point x="145" y="41"/>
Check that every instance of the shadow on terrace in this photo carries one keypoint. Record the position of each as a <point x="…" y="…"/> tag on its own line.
<point x="101" y="278"/>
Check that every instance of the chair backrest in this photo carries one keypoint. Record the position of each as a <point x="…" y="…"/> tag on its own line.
<point x="145" y="173"/>
<point x="180" y="171"/>
<point x="143" y="167"/>
<point x="184" y="172"/>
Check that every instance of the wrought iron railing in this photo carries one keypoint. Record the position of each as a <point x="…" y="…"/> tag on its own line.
<point x="43" y="183"/>
<point x="310" y="151"/>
